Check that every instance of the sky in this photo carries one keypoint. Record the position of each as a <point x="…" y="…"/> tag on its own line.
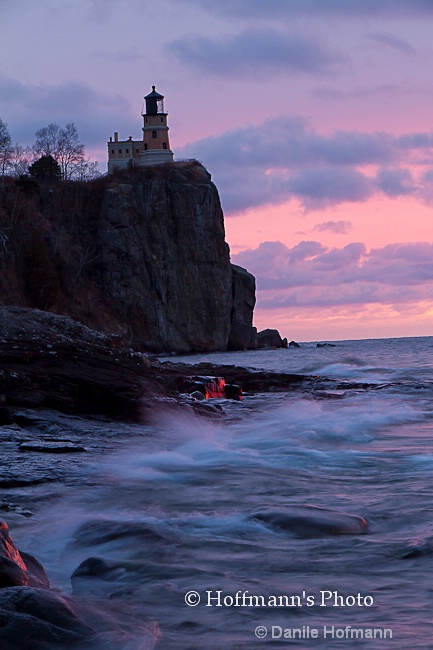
<point x="314" y="117"/>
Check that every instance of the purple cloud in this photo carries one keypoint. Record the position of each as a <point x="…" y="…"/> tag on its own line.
<point x="284" y="157"/>
<point x="395" y="182"/>
<point x="257" y="52"/>
<point x="338" y="227"/>
<point x="396" y="43"/>
<point x="326" y="186"/>
<point x="62" y="103"/>
<point x="345" y="8"/>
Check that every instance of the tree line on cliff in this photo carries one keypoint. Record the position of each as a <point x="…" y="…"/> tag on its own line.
<point x="57" y="154"/>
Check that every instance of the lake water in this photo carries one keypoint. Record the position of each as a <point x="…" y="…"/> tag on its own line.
<point x="294" y="516"/>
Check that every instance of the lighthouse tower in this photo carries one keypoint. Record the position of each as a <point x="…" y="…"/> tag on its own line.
<point x="156" y="145"/>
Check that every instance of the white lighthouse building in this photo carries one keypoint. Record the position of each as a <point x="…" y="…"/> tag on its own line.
<point x="154" y="148"/>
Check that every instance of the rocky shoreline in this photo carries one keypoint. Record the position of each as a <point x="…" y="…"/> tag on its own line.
<point x="53" y="362"/>
<point x="67" y="395"/>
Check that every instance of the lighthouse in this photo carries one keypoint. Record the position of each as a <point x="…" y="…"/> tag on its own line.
<point x="154" y="148"/>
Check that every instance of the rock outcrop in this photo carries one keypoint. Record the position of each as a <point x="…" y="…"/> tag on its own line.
<point x="242" y="334"/>
<point x="140" y="253"/>
<point x="271" y="339"/>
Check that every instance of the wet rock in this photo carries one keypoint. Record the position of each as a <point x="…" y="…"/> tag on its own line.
<point x="197" y="394"/>
<point x="101" y="532"/>
<point x="100" y="576"/>
<point x="18" y="568"/>
<point x="325" y="345"/>
<point x="8" y="548"/>
<point x="37" y="619"/>
<point x="271" y="339"/>
<point x="312" y="521"/>
<point x="293" y="344"/>
<point x="14" y="482"/>
<point x="419" y="547"/>
<point x="233" y="391"/>
<point x="12" y="575"/>
<point x="6" y="506"/>
<point x="26" y="419"/>
<point x="52" y="447"/>
<point x="97" y="567"/>
<point x="35" y="571"/>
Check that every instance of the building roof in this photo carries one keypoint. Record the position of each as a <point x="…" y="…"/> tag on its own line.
<point x="154" y="95"/>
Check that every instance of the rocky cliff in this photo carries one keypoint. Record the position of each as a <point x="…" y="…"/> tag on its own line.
<point x="140" y="254"/>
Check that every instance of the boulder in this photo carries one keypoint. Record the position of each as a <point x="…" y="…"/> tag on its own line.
<point x="271" y="339"/>
<point x="37" y="619"/>
<point x="18" y="568"/>
<point x="312" y="521"/>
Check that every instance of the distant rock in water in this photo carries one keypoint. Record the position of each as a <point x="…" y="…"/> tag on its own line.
<point x="139" y="253"/>
<point x="293" y="344"/>
<point x="271" y="339"/>
<point x="312" y="521"/>
<point x="325" y="345"/>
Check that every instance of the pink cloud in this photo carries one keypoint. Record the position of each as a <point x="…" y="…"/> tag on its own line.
<point x="311" y="275"/>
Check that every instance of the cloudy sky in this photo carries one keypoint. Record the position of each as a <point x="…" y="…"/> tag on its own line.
<point x="315" y="118"/>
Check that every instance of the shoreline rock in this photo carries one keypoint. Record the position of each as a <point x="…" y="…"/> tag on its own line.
<point x="270" y="338"/>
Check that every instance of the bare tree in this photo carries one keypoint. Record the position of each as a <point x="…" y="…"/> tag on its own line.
<point x="87" y="171"/>
<point x="6" y="149"/>
<point x="63" y="145"/>
<point x="47" y="141"/>
<point x="22" y="159"/>
<point x="71" y="151"/>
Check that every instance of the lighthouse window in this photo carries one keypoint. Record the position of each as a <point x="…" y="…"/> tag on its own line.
<point x="162" y="119"/>
<point x="145" y="145"/>
<point x="127" y="151"/>
<point x="137" y="150"/>
<point x="154" y="134"/>
<point x="120" y="150"/>
<point x="112" y="151"/>
<point x="164" y="145"/>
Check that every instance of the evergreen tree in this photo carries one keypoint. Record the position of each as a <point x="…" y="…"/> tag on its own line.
<point x="46" y="168"/>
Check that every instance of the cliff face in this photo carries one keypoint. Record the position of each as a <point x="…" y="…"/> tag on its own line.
<point x="140" y="254"/>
